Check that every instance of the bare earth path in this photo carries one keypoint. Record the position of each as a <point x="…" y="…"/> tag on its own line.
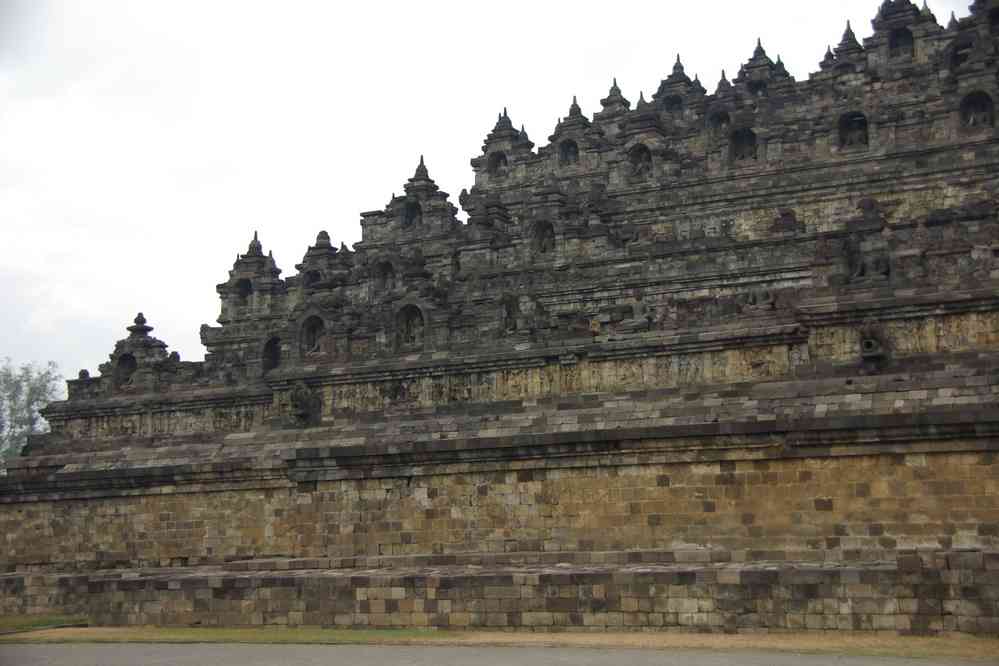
<point x="361" y="655"/>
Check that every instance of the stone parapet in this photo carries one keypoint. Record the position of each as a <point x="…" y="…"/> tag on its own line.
<point x="917" y="593"/>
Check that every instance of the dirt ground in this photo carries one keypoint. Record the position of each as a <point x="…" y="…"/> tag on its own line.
<point x="841" y="643"/>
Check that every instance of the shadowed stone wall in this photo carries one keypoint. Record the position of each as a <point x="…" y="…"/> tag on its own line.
<point x="725" y="361"/>
<point x="812" y="510"/>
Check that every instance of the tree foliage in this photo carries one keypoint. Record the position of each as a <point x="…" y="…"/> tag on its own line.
<point x="24" y="391"/>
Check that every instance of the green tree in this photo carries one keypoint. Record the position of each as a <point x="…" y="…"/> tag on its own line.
<point x="24" y="391"/>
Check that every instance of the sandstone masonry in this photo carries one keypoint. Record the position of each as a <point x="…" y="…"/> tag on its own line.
<point x="717" y="361"/>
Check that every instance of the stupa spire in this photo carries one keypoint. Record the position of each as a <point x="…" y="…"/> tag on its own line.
<point x="255" y="249"/>
<point x="421" y="171"/>
<point x="849" y="42"/>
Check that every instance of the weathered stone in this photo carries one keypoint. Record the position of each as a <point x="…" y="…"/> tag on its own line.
<point x="723" y="361"/>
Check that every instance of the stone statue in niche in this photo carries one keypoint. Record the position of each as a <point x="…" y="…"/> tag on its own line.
<point x="497" y="164"/>
<point x="537" y="317"/>
<point x="313" y="334"/>
<point x="669" y="315"/>
<point x="854" y="131"/>
<point x="855" y="136"/>
<point x="305" y="406"/>
<point x="640" y="159"/>
<point x="544" y="238"/>
<point x="871" y="266"/>
<point x="744" y="146"/>
<point x="641" y="317"/>
<point x="410" y="328"/>
<point x="978" y="117"/>
<point x="412" y="215"/>
<point x="594" y="205"/>
<point x="761" y="300"/>
<point x="522" y="317"/>
<point x="511" y="315"/>
<point x="977" y="111"/>
<point x="872" y="216"/>
<point x="619" y="237"/>
<point x="787" y="222"/>
<point x="385" y="279"/>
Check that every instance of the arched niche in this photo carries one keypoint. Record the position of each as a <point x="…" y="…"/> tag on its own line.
<point x="640" y="160"/>
<point x="412" y="214"/>
<point x="719" y="121"/>
<point x="978" y="111"/>
<point x="410" y="328"/>
<point x="673" y="104"/>
<point x="124" y="368"/>
<point x="853" y="130"/>
<point x="901" y="44"/>
<point x="960" y="52"/>
<point x="568" y="152"/>
<point x="744" y="146"/>
<point x="271" y="356"/>
<point x="543" y="238"/>
<point x="244" y="291"/>
<point x="511" y="313"/>
<point x="497" y="163"/>
<point x="311" y="336"/>
<point x="758" y="88"/>
<point x="385" y="276"/>
<point x="311" y="278"/>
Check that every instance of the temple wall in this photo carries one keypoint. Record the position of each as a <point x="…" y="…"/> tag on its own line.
<point x="718" y="361"/>
<point x="917" y="593"/>
<point x="975" y="331"/>
<point x="543" y="373"/>
<point x="806" y="510"/>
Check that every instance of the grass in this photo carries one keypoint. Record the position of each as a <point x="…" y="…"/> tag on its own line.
<point x="12" y="623"/>
<point x="839" y="643"/>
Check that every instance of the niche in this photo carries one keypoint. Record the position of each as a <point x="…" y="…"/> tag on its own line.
<point x="412" y="214"/>
<point x="853" y="131"/>
<point x="124" y="369"/>
<point x="271" y="357"/>
<point x="640" y="159"/>
<point x="673" y="104"/>
<point x="385" y="276"/>
<point x="758" y="88"/>
<point x="543" y="238"/>
<point x="311" y="279"/>
<point x="961" y="53"/>
<point x="568" y="152"/>
<point x="312" y="335"/>
<point x="978" y="111"/>
<point x="744" y="147"/>
<point x="719" y="121"/>
<point x="244" y="290"/>
<point x="901" y="45"/>
<point x="410" y="328"/>
<point x="511" y="314"/>
<point x="497" y="165"/>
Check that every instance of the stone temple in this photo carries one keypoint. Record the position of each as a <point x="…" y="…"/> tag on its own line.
<point x="718" y="361"/>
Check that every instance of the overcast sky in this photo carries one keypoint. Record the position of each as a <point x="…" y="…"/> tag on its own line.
<point x="142" y="142"/>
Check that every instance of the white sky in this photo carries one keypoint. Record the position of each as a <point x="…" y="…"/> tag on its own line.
<point x="142" y="142"/>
